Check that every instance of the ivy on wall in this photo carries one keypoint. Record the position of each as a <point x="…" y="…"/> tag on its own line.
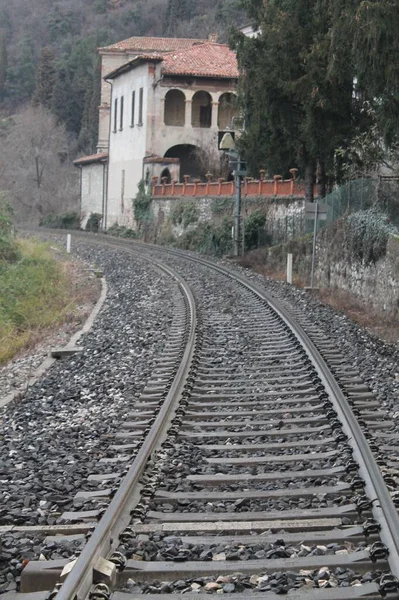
<point x="142" y="206"/>
<point x="184" y="213"/>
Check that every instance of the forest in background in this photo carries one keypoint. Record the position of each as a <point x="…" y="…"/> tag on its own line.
<point x="48" y="49"/>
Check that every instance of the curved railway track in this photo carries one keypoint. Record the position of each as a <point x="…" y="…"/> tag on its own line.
<point x="256" y="463"/>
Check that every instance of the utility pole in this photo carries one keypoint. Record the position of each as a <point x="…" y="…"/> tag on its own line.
<point x="227" y="144"/>
<point x="237" y="209"/>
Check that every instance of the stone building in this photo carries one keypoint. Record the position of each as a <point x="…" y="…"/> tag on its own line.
<point x="161" y="99"/>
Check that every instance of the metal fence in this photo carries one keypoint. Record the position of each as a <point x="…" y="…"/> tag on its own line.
<point x="355" y="195"/>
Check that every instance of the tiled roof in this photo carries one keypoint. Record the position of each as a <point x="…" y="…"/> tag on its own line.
<point x="202" y="60"/>
<point x="151" y="44"/>
<point x="92" y="158"/>
<point x="137" y="60"/>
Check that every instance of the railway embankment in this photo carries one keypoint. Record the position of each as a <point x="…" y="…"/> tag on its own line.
<point x="231" y="500"/>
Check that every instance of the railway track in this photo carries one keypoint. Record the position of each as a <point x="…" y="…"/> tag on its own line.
<point x="255" y="466"/>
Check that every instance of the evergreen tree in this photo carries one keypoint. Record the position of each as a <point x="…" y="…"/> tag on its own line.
<point x="176" y="11"/>
<point x="63" y="100"/>
<point x="3" y="65"/>
<point x="89" y="132"/>
<point x="21" y="73"/>
<point x="375" y="35"/>
<point x="45" y="80"/>
<point x="297" y="110"/>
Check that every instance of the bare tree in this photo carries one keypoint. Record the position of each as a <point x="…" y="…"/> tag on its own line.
<point x="35" y="165"/>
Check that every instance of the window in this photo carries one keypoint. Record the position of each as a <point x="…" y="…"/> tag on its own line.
<point x="133" y="108"/>
<point x="115" y="114"/>
<point x="121" y="115"/>
<point x="141" y="94"/>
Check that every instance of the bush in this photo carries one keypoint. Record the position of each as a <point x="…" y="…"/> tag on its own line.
<point x="68" y="220"/>
<point x="93" y="222"/>
<point x="184" y="213"/>
<point x="208" y="238"/>
<point x="367" y="235"/>
<point x="121" y="231"/>
<point x="142" y="205"/>
<point x="8" y="249"/>
<point x="254" y="229"/>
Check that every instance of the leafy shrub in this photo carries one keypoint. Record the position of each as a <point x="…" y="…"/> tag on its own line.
<point x="184" y="213"/>
<point x="68" y="220"/>
<point x="8" y="248"/>
<point x="221" y="205"/>
<point x="367" y="235"/>
<point x="121" y="231"/>
<point x="142" y="206"/>
<point x="93" y="222"/>
<point x="208" y="238"/>
<point x="254" y="228"/>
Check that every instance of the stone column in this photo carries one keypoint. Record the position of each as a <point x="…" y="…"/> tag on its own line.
<point x="215" y="112"/>
<point x="188" y="113"/>
<point x="163" y="111"/>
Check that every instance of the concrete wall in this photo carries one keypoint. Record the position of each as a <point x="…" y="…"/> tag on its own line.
<point x="92" y="185"/>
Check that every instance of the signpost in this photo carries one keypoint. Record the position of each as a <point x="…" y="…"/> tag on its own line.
<point x="317" y="212"/>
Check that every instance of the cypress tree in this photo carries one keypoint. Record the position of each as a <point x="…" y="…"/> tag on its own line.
<point x="21" y="73"/>
<point x="45" y="79"/>
<point x="88" y="136"/>
<point x="297" y="112"/>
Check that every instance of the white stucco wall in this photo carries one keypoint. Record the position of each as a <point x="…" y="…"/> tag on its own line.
<point x="109" y="62"/>
<point x="92" y="177"/>
<point x="127" y="146"/>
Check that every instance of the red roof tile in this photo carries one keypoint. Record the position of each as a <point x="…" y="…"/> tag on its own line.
<point x="151" y="44"/>
<point x="92" y="158"/>
<point x="202" y="60"/>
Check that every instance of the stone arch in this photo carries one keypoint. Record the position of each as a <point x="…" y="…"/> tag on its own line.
<point x="201" y="115"/>
<point x="175" y="108"/>
<point x="166" y="173"/>
<point x="188" y="158"/>
<point x="227" y="110"/>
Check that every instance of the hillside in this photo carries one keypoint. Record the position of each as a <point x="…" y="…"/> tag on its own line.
<point x="71" y="30"/>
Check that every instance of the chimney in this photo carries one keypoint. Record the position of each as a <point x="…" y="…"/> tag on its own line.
<point x="213" y="38"/>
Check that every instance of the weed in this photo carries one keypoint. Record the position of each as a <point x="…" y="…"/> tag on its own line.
<point x="34" y="296"/>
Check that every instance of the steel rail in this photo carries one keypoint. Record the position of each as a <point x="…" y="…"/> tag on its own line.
<point x="383" y="508"/>
<point x="117" y="516"/>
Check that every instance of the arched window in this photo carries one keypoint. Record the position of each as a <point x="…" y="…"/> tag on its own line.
<point x="175" y="108"/>
<point x="201" y="110"/>
<point x="227" y="110"/>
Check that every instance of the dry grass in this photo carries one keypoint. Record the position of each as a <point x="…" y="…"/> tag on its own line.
<point x="41" y="292"/>
<point x="383" y="326"/>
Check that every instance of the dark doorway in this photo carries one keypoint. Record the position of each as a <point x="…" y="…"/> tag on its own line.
<point x="166" y="173"/>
